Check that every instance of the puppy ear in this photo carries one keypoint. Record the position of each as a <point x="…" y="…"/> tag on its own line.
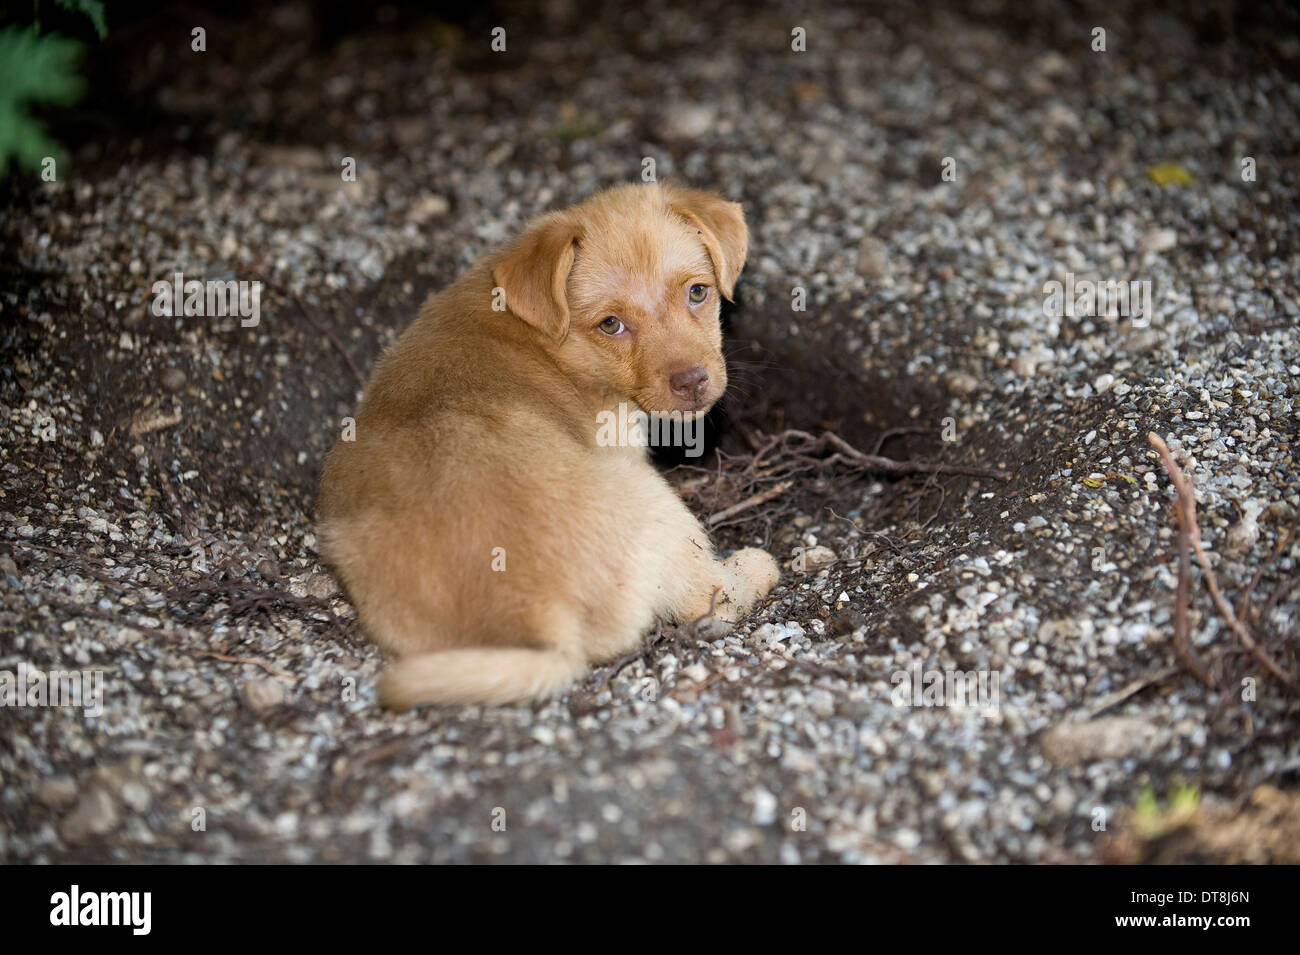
<point x="534" y="270"/>
<point x="721" y="225"/>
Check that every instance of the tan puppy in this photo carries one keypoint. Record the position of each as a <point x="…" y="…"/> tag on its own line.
<point x="487" y="537"/>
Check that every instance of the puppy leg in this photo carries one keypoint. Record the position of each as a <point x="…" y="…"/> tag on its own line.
<point x="757" y="571"/>
<point x="745" y="578"/>
<point x="730" y="588"/>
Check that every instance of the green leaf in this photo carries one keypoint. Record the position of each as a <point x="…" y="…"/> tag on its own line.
<point x="93" y="9"/>
<point x="1169" y="174"/>
<point x="34" y="68"/>
<point x="1147" y="807"/>
<point x="1154" y="820"/>
<point x="1184" y="801"/>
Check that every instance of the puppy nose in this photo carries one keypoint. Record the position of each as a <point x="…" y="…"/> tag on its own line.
<point x="690" y="384"/>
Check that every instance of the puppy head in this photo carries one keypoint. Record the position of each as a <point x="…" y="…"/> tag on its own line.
<point x="624" y="291"/>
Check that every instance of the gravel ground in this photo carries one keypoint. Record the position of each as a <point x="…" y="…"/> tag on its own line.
<point x="157" y="474"/>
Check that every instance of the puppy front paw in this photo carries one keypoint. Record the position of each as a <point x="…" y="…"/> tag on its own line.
<point x="736" y="584"/>
<point x="758" y="567"/>
<point x="712" y="628"/>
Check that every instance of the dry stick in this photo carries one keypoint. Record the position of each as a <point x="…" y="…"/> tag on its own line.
<point x="691" y="626"/>
<point x="873" y="462"/>
<point x="243" y="599"/>
<point x="97" y="614"/>
<point x="753" y="500"/>
<point x="188" y="525"/>
<point x="606" y="674"/>
<point x="347" y="357"/>
<point x="304" y="604"/>
<point x="1187" y="504"/>
<point x="391" y="748"/>
<point x="1124" y="692"/>
<point x="801" y="457"/>
<point x="333" y="339"/>
<point x="841" y="517"/>
<point x="764" y="515"/>
<point x="894" y="433"/>
<point x="1278" y="595"/>
<point x="1182" y="627"/>
<point x="80" y="564"/>
<point x="1243" y="604"/>
<point x="75" y="610"/>
<point x="252" y="661"/>
<point x="868" y="534"/>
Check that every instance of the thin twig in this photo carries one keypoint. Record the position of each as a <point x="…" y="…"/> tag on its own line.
<point x="1187" y="504"/>
<point x="1243" y="603"/>
<point x="847" y="454"/>
<point x="1278" y="595"/>
<point x="338" y="345"/>
<point x="383" y="751"/>
<point x="752" y="501"/>
<point x="109" y="617"/>
<point x="75" y="610"/>
<point x="1182" y="627"/>
<point x="173" y="496"/>
<point x="252" y="661"/>
<point x="321" y="329"/>
<point x="1123" y="693"/>
<point x="894" y="433"/>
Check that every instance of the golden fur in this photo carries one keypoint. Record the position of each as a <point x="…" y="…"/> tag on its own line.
<point x="490" y="544"/>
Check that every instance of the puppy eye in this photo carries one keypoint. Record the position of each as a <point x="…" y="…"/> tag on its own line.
<point x="697" y="294"/>
<point x="611" y="326"/>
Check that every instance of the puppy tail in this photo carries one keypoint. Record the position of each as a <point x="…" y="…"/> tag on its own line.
<point x="489" y="675"/>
